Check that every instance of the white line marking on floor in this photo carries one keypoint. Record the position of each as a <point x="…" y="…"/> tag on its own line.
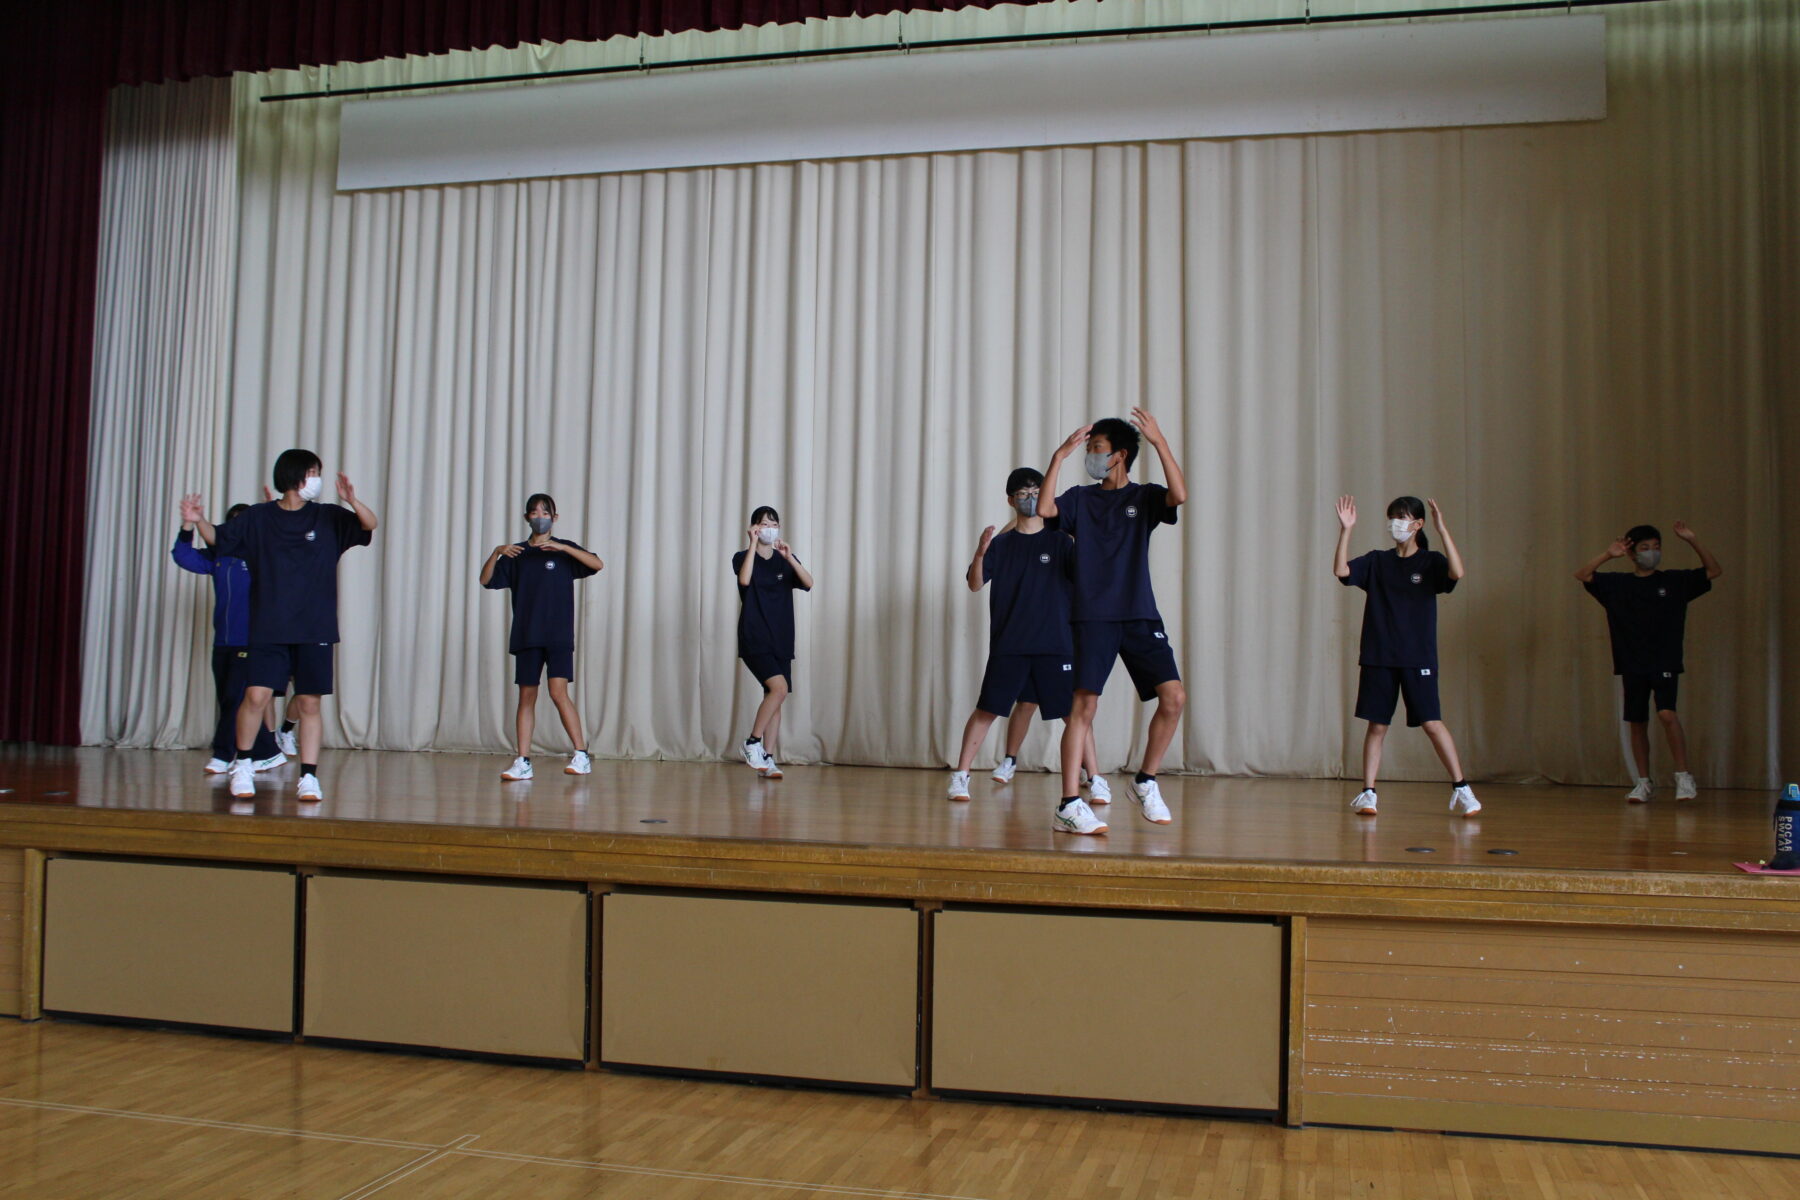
<point x="401" y="1172"/>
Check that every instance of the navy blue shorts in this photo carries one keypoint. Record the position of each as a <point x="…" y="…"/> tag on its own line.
<point x="1142" y="644"/>
<point x="766" y="667"/>
<point x="308" y="664"/>
<point x="531" y="661"/>
<point x="1379" y="689"/>
<point x="1046" y="680"/>
<point x="1663" y="685"/>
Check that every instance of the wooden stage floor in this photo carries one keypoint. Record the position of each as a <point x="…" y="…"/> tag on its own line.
<point x="1216" y="819"/>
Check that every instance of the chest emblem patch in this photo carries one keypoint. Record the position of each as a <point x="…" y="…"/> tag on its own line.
<point x="1418" y="578"/>
<point x="1131" y="510"/>
<point x="1043" y="558"/>
<point x="781" y="575"/>
<point x="1662" y="591"/>
<point x="310" y="535"/>
<point x="549" y="566"/>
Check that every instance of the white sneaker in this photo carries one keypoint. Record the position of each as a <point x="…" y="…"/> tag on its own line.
<point x="288" y="744"/>
<point x="754" y="754"/>
<point x="1364" y="804"/>
<point x="1077" y="817"/>
<point x="519" y="771"/>
<point x="959" y="785"/>
<point x="1150" y="801"/>
<point x="1099" y="791"/>
<point x="771" y="769"/>
<point x="270" y="763"/>
<point x="216" y="766"/>
<point x="1004" y="772"/>
<point x="1641" y="793"/>
<point x="309" y="788"/>
<point x="579" y="764"/>
<point x="1685" y="787"/>
<point x="1463" y="802"/>
<point x="243" y="778"/>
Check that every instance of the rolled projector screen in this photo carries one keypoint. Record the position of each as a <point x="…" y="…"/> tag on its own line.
<point x="1486" y="72"/>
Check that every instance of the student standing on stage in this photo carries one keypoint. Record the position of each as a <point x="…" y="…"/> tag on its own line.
<point x="541" y="571"/>
<point x="231" y="638"/>
<point x="1646" y="614"/>
<point x="1399" y="637"/>
<point x="767" y="576"/>
<point x="292" y="545"/>
<point x="1115" y="609"/>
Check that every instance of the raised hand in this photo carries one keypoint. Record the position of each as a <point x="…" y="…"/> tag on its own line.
<point x="1683" y="532"/>
<point x="987" y="537"/>
<point x="1076" y="440"/>
<point x="1437" y="514"/>
<point x="346" y="492"/>
<point x="1621" y="546"/>
<point x="509" y="550"/>
<point x="191" y="511"/>
<point x="268" y="493"/>
<point x="1346" y="511"/>
<point x="784" y="550"/>
<point x="1148" y="427"/>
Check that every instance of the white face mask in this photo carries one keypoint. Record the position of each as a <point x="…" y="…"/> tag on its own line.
<point x="768" y="535"/>
<point x="1401" y="528"/>
<point x="1649" y="560"/>
<point x="310" y="489"/>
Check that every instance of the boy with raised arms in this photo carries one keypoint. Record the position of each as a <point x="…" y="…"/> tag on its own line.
<point x="1115" y="613"/>
<point x="292" y="545"/>
<point x="1646" y="614"/>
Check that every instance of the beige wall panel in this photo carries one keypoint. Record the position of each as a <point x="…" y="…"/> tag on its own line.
<point x="1474" y="1018"/>
<point x="493" y="968"/>
<point x="805" y="989"/>
<point x="211" y="945"/>
<point x="1166" y="1010"/>
<point x="12" y="927"/>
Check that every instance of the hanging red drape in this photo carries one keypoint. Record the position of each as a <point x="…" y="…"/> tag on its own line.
<point x="58" y="58"/>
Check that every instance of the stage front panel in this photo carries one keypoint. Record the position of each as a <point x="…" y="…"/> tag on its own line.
<point x="1129" y="1009"/>
<point x="12" y="928"/>
<point x="801" y="989"/>
<point x="1617" y="1034"/>
<point x="186" y="942"/>
<point x="488" y="967"/>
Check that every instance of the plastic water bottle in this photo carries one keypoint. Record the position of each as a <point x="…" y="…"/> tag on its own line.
<point x="1787" y="831"/>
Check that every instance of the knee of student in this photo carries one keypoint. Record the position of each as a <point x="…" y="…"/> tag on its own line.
<point x="258" y="696"/>
<point x="1377" y="730"/>
<point x="1669" y="717"/>
<point x="1085" y="706"/>
<point x="1171" y="697"/>
<point x="1431" y="728"/>
<point x="306" y="706"/>
<point x="778" y="687"/>
<point x="559" y="690"/>
<point x="528" y="693"/>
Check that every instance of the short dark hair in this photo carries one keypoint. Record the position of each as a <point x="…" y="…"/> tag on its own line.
<point x="291" y="469"/>
<point x="1642" y="533"/>
<point x="1120" y="435"/>
<point x="1023" y="477"/>
<point x="762" y="510"/>
<point x="232" y="512"/>
<point x="537" y="498"/>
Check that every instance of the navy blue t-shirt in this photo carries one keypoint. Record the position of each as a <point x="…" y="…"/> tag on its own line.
<point x="1647" y="616"/>
<point x="293" y="559"/>
<point x="1112" y="548"/>
<point x="1028" y="606"/>
<point x="543" y="588"/>
<point x="766" y="618"/>
<point x="1399" y="626"/>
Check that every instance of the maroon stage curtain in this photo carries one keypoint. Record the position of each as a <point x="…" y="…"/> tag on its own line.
<point x="58" y="58"/>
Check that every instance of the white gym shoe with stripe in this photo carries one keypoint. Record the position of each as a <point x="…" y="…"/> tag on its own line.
<point x="309" y="789"/>
<point x="288" y="744"/>
<point x="1005" y="771"/>
<point x="519" y="771"/>
<point x="243" y="778"/>
<point x="1077" y="817"/>
<point x="959" y="786"/>
<point x="1150" y="802"/>
<point x="1099" y="791"/>
<point x="1364" y="804"/>
<point x="1463" y="802"/>
<point x="1641" y="793"/>
<point x="216" y="766"/>
<point x="579" y="764"/>
<point x="270" y="763"/>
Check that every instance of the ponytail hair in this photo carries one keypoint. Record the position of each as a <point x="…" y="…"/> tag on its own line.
<point x="1413" y="509"/>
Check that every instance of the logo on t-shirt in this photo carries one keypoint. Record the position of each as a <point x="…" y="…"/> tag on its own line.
<point x="549" y="566"/>
<point x="1424" y="671"/>
<point x="310" y="535"/>
<point x="1043" y="558"/>
<point x="1131" y="510"/>
<point x="1418" y="577"/>
<point x="1068" y="666"/>
<point x="1662" y="591"/>
<point x="781" y="575"/>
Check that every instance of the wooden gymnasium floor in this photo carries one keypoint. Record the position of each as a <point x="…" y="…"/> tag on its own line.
<point x="96" y="1111"/>
<point x="1216" y="819"/>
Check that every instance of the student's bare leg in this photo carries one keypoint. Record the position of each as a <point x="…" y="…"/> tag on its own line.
<point x="1090" y="754"/>
<point x="1017" y="726"/>
<point x="1671" y="723"/>
<point x="565" y="708"/>
<point x="770" y="708"/>
<point x="1373" y="740"/>
<point x="772" y="740"/>
<point x="312" y="728"/>
<point x="1640" y="747"/>
<point x="250" y="715"/>
<point x="1171" y="700"/>
<point x="975" y="732"/>
<point x="1445" y="745"/>
<point x="525" y="721"/>
<point x="1074" y="739"/>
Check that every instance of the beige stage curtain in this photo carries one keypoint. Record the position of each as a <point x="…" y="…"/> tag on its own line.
<point x="1557" y="331"/>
